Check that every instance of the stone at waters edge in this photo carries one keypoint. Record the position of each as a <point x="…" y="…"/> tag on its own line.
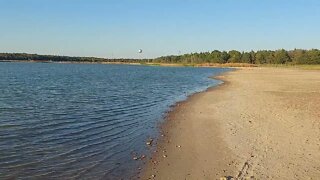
<point x="149" y="142"/>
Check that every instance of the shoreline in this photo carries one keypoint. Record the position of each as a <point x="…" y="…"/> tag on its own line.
<point x="200" y="141"/>
<point x="159" y="140"/>
<point x="165" y="129"/>
<point x="208" y="65"/>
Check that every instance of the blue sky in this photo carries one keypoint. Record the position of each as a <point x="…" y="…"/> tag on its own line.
<point x="118" y="28"/>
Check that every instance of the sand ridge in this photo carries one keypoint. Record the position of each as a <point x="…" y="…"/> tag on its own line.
<point x="262" y="123"/>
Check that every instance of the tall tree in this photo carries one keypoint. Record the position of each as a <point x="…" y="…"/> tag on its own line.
<point x="235" y="56"/>
<point x="313" y="57"/>
<point x="224" y="57"/>
<point x="216" y="57"/>
<point x="260" y="57"/>
<point x="281" y="57"/>
<point x="246" y="57"/>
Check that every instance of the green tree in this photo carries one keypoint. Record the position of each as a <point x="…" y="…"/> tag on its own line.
<point x="216" y="57"/>
<point x="281" y="57"/>
<point x="260" y="58"/>
<point x="224" y="57"/>
<point x="253" y="57"/>
<point x="298" y="56"/>
<point x="313" y="57"/>
<point x="269" y="55"/>
<point x="235" y="56"/>
<point x="246" y="57"/>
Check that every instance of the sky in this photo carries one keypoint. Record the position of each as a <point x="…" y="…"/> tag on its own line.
<point x="119" y="28"/>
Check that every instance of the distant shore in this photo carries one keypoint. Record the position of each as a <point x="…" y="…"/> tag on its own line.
<point x="145" y="64"/>
<point x="233" y="65"/>
<point x="262" y="123"/>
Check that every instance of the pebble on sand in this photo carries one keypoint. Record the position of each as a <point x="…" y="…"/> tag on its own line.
<point x="149" y="142"/>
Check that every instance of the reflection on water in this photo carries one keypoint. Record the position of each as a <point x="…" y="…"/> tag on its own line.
<point x="84" y="120"/>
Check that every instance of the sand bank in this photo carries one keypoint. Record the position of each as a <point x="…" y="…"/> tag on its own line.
<point x="262" y="123"/>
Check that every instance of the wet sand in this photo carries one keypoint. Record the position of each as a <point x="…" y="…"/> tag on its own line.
<point x="262" y="123"/>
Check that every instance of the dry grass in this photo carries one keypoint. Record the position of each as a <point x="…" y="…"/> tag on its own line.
<point x="305" y="67"/>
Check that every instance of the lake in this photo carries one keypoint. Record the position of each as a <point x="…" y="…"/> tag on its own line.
<point x="86" y="121"/>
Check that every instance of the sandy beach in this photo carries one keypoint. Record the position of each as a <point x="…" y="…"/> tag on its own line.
<point x="262" y="123"/>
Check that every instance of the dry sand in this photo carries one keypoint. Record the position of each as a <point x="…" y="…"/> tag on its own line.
<point x="262" y="123"/>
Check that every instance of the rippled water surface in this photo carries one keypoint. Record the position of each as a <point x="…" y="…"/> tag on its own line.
<point x="84" y="121"/>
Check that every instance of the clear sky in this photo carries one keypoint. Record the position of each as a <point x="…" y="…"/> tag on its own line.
<point x="119" y="28"/>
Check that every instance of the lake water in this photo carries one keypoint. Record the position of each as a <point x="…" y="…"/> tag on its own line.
<point x="85" y="121"/>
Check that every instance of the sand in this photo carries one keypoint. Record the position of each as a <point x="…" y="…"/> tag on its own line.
<point x="262" y="123"/>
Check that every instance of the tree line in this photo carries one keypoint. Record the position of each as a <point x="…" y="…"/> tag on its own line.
<point x="296" y="56"/>
<point x="36" y="57"/>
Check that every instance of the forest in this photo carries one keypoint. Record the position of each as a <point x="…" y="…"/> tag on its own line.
<point x="296" y="56"/>
<point x="36" y="57"/>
